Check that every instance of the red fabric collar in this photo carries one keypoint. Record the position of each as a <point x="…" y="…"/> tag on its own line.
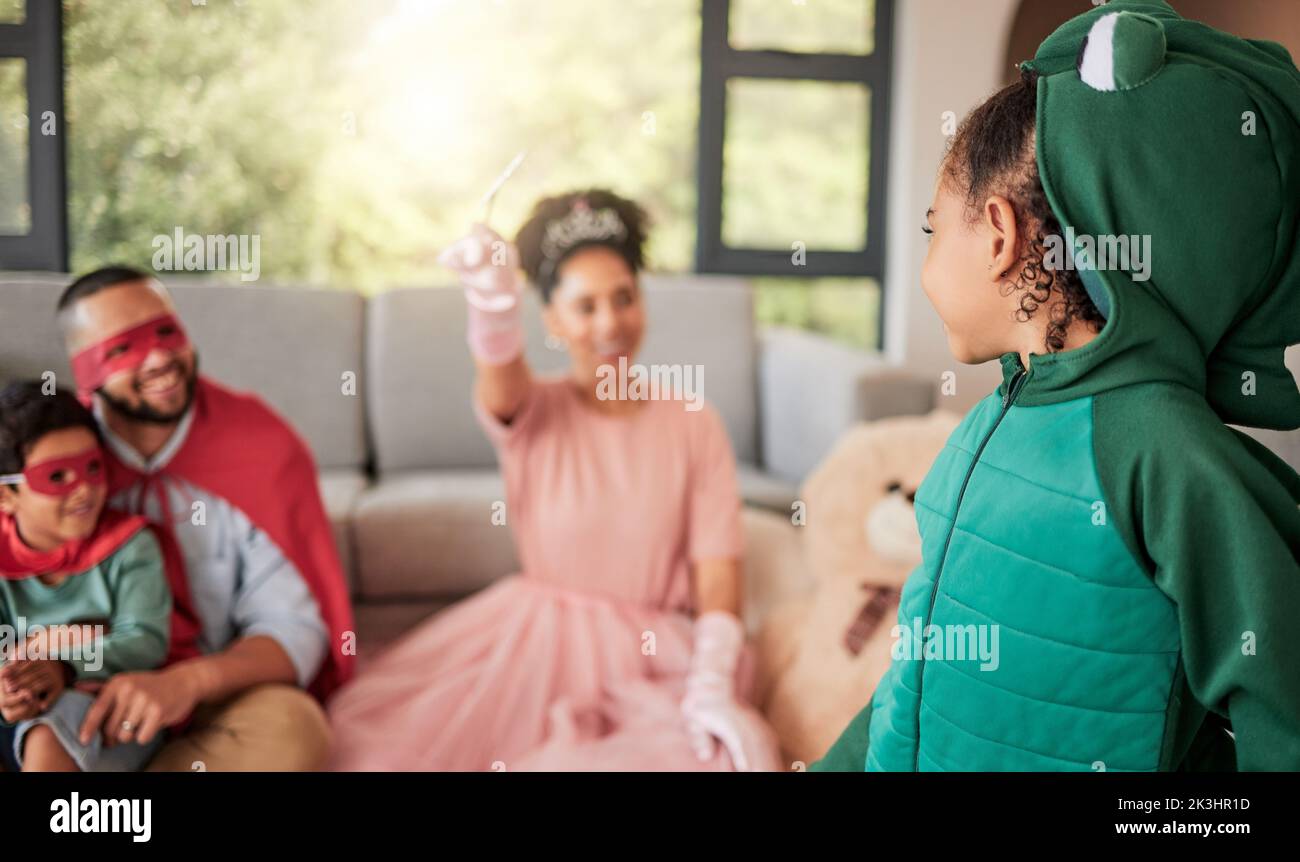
<point x="18" y="561"/>
<point x="115" y="529"/>
<point x="241" y="451"/>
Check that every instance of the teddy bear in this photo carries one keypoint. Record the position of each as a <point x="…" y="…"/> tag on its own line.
<point x="821" y="655"/>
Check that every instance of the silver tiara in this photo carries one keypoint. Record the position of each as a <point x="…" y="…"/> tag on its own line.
<point x="582" y="224"/>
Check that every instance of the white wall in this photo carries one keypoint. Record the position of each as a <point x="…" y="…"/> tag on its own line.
<point x="948" y="56"/>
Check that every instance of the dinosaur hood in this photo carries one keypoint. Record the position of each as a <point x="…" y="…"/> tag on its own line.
<point x="1185" y="142"/>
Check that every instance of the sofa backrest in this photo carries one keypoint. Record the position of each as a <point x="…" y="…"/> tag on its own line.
<point x="291" y="345"/>
<point x="420" y="372"/>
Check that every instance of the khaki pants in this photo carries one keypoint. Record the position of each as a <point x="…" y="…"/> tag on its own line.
<point x="267" y="728"/>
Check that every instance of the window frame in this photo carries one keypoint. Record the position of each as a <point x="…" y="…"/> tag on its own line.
<point x="38" y="40"/>
<point x="719" y="62"/>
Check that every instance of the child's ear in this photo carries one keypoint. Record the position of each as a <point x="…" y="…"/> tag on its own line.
<point x="1000" y="220"/>
<point x="8" y="501"/>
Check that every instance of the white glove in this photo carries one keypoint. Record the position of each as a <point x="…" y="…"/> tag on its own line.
<point x="488" y="268"/>
<point x="712" y="711"/>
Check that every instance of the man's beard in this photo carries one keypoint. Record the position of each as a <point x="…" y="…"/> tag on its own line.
<point x="143" y="412"/>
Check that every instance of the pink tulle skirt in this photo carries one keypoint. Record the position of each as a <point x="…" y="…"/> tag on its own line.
<point x="522" y="677"/>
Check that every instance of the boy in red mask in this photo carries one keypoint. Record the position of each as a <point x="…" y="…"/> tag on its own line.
<point x="83" y="591"/>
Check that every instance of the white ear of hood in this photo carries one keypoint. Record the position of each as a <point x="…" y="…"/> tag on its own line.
<point x="1097" y="67"/>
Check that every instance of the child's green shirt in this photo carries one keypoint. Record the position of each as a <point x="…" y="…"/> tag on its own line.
<point x="127" y="593"/>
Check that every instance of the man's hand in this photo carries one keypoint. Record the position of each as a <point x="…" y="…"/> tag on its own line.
<point x="134" y="707"/>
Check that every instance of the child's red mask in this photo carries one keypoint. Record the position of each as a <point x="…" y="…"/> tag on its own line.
<point x="126" y="351"/>
<point x="59" y="477"/>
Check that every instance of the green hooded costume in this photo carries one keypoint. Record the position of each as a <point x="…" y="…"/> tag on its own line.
<point x="1138" y="559"/>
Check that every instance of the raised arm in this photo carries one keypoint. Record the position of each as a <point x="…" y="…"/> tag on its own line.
<point x="488" y="267"/>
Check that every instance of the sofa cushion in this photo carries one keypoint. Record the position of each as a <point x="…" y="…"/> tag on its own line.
<point x="292" y="346"/>
<point x="32" y="343"/>
<point x="420" y="372"/>
<point x="762" y="490"/>
<point x="340" y="490"/>
<point x="709" y="321"/>
<point x="430" y="533"/>
<point x="774" y="567"/>
<point x="379" y="624"/>
<point x="812" y="390"/>
<point x="774" y="574"/>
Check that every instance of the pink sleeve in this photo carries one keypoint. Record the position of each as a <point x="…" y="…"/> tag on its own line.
<point x="714" y="520"/>
<point x="504" y="435"/>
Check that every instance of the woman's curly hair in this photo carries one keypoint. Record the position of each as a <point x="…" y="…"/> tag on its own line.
<point x="543" y="270"/>
<point x="993" y="153"/>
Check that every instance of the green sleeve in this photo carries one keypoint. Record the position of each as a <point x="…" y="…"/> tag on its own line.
<point x="1216" y="522"/>
<point x="140" y="622"/>
<point x="849" y="753"/>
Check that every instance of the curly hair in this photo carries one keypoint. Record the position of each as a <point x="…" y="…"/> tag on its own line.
<point x="541" y="258"/>
<point x="27" y="414"/>
<point x="993" y="153"/>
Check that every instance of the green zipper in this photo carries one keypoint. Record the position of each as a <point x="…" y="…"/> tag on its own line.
<point x="1013" y="390"/>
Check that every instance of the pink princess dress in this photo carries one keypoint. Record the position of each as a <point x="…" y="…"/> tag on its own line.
<point x="579" y="661"/>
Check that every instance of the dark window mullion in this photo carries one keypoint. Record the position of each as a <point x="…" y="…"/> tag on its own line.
<point x="714" y="15"/>
<point x="13" y="40"/>
<point x="878" y="173"/>
<point x="721" y="63"/>
<point x="804" y="67"/>
<point x="39" y="41"/>
<point x="825" y="264"/>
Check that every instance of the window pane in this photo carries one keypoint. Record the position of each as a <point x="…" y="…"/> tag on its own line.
<point x="795" y="165"/>
<point x="15" y="208"/>
<point x="806" y="26"/>
<point x="13" y="11"/>
<point x="846" y="309"/>
<point x="358" y="140"/>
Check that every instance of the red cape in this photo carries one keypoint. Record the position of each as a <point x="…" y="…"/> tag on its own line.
<point x="241" y="451"/>
<point x="114" y="530"/>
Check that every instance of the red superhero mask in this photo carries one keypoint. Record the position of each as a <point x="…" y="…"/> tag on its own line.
<point x="59" y="477"/>
<point x="126" y="351"/>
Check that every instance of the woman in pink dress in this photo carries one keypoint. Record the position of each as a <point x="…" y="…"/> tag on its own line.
<point x="619" y="646"/>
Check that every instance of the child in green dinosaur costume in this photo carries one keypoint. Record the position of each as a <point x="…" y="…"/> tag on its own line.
<point x="1131" y="205"/>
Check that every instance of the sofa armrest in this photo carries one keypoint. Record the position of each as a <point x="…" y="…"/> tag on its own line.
<point x="812" y="389"/>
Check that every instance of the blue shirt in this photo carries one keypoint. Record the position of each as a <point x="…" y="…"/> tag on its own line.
<point x="241" y="583"/>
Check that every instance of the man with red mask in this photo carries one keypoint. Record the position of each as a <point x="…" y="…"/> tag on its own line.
<point x="236" y="487"/>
